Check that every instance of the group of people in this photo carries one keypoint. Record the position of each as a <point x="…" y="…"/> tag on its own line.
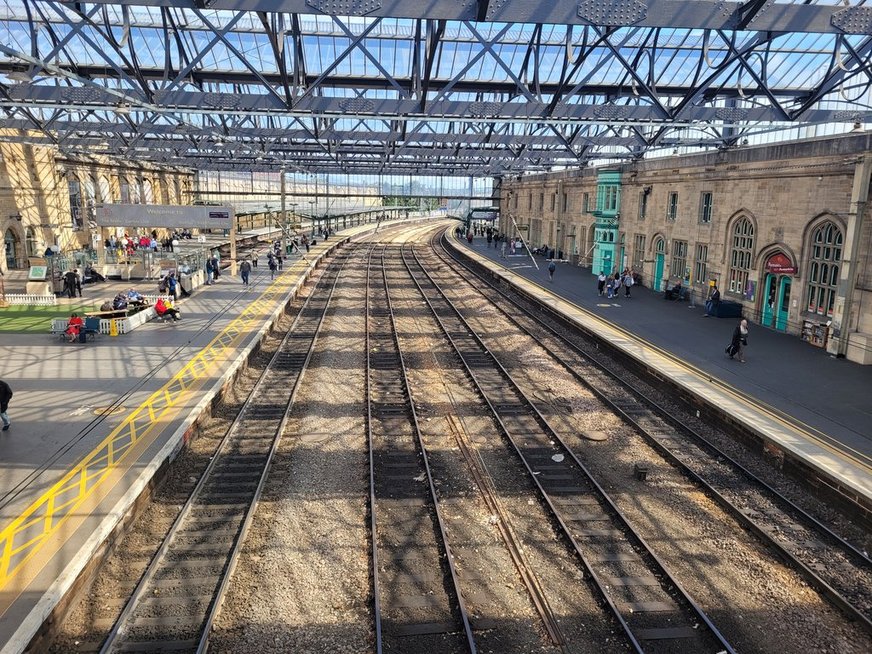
<point x="610" y="285"/>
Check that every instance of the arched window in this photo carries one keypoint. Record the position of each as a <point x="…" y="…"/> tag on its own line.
<point x="825" y="257"/>
<point x="90" y="192"/>
<point x="660" y="246"/>
<point x="136" y="191"/>
<point x="75" y="190"/>
<point x="31" y="243"/>
<point x="105" y="190"/>
<point x="742" y="246"/>
<point x="125" y="190"/>
<point x="147" y="192"/>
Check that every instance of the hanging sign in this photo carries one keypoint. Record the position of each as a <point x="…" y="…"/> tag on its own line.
<point x="780" y="264"/>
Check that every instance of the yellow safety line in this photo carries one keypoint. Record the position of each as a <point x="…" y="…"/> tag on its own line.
<point x="22" y="538"/>
<point x="800" y="427"/>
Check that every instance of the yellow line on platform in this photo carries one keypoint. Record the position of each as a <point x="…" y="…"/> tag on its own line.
<point x="24" y="536"/>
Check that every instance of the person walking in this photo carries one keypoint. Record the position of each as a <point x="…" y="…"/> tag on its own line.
<point x="5" y="396"/>
<point x="503" y="248"/>
<point x="739" y="341"/>
<point x="551" y="268"/>
<point x="273" y="266"/>
<point x="209" y="272"/>
<point x="610" y="287"/>
<point x="601" y="283"/>
<point x="244" y="271"/>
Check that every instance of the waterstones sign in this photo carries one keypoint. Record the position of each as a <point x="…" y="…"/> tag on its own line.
<point x="159" y="215"/>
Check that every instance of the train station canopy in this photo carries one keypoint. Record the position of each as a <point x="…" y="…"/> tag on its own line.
<point x="433" y="87"/>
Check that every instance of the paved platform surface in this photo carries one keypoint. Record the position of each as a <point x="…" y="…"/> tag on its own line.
<point x="830" y="398"/>
<point x="92" y="422"/>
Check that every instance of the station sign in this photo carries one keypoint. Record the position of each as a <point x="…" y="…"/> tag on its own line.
<point x="148" y="216"/>
<point x="780" y="264"/>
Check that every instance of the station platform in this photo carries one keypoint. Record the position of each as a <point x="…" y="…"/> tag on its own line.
<point x="812" y="406"/>
<point x="93" y="422"/>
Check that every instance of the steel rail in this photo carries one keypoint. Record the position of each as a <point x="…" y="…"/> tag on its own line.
<point x="416" y="437"/>
<point x="632" y="415"/>
<point x="115" y="638"/>
<point x="628" y="533"/>
<point x="504" y="524"/>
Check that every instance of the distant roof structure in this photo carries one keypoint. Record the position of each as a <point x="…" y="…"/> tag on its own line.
<point x="442" y="87"/>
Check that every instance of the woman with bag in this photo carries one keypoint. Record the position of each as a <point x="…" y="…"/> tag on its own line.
<point x="739" y="341"/>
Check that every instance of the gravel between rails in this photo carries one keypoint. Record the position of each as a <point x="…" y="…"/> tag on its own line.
<point x="494" y="591"/>
<point x="302" y="580"/>
<point x="99" y="605"/>
<point x="760" y="605"/>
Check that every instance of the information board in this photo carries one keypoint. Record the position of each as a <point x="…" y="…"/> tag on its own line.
<point x="149" y="216"/>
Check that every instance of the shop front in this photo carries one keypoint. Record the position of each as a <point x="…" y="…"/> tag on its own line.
<point x="779" y="271"/>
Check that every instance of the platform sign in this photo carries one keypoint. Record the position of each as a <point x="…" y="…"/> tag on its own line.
<point x="149" y="216"/>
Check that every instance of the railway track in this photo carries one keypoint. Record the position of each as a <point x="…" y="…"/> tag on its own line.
<point x="653" y="610"/>
<point x="418" y="605"/>
<point x="836" y="568"/>
<point x="178" y="597"/>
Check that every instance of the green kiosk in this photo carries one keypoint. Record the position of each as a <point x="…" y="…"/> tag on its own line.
<point x="607" y="214"/>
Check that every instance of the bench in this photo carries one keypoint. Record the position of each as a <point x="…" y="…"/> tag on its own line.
<point x="91" y="328"/>
<point x="727" y="309"/>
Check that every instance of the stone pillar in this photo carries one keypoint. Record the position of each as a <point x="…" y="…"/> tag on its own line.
<point x="843" y="320"/>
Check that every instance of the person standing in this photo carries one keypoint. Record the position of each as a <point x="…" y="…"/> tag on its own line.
<point x="273" y="266"/>
<point x="245" y="270"/>
<point x="209" y="272"/>
<point x="601" y="282"/>
<point x="172" y="285"/>
<point x="712" y="304"/>
<point x="503" y="247"/>
<point x="70" y="283"/>
<point x="628" y="282"/>
<point x="551" y="268"/>
<point x="5" y="396"/>
<point x="739" y="341"/>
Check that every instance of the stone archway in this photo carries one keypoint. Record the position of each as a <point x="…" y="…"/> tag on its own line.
<point x="13" y="254"/>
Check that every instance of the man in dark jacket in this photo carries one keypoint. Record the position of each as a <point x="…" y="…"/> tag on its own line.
<point x="5" y="396"/>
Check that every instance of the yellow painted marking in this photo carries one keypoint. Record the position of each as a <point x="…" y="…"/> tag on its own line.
<point x="18" y="546"/>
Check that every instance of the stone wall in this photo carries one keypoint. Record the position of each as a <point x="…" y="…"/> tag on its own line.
<point x="35" y="194"/>
<point x="785" y="190"/>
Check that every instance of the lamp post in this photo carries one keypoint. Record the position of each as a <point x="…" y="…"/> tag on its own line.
<point x="312" y="215"/>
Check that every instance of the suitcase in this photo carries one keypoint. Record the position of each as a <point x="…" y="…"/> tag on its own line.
<point x="731" y="350"/>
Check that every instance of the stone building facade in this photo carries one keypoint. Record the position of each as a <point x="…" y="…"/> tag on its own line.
<point x="783" y="229"/>
<point x="47" y="199"/>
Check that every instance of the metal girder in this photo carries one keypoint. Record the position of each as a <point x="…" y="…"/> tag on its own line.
<point x="447" y="89"/>
<point x="405" y="110"/>
<point x="692" y="14"/>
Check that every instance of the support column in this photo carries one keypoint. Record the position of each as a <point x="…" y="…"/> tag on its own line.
<point x="284" y="222"/>
<point x="843" y="322"/>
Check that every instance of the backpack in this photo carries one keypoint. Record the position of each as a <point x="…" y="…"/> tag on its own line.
<point x="162" y="286"/>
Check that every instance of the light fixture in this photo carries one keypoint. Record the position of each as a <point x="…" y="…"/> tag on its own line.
<point x="744" y="141"/>
<point x="858" y="127"/>
<point x="15" y="216"/>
